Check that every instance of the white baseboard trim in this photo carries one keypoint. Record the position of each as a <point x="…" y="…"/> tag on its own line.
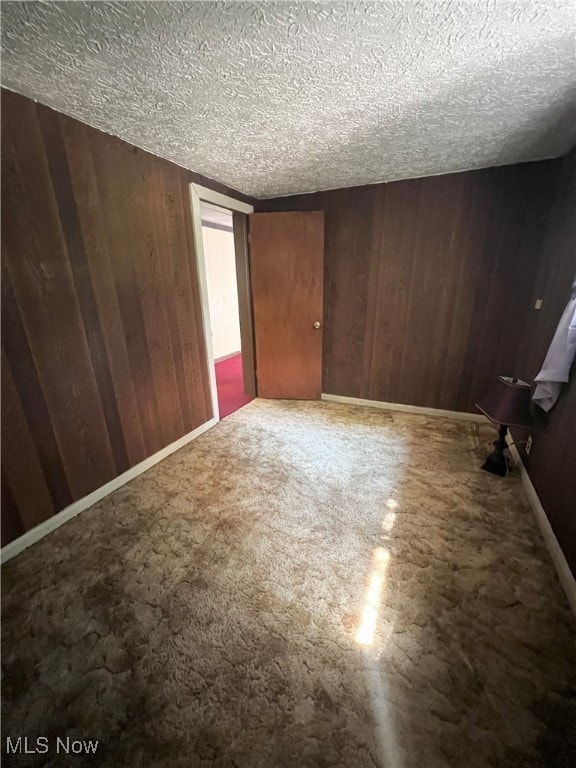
<point x="37" y="533"/>
<point x="565" y="575"/>
<point x="406" y="408"/>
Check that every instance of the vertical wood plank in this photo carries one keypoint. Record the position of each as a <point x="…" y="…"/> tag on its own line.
<point x="37" y="263"/>
<point x="23" y="473"/>
<point x="19" y="357"/>
<point x="400" y="386"/>
<point x="12" y="524"/>
<point x="68" y="215"/>
<point x="101" y="274"/>
<point x="117" y="195"/>
<point x="149" y="255"/>
<point x="170" y="238"/>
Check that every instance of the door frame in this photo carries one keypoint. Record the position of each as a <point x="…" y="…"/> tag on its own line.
<point x="199" y="194"/>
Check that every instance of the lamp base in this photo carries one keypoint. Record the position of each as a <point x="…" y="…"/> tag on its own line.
<point x="497" y="463"/>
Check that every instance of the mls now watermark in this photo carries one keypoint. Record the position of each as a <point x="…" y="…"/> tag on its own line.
<point x="22" y="745"/>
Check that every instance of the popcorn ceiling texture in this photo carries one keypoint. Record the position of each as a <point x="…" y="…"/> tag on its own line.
<point x="278" y="98"/>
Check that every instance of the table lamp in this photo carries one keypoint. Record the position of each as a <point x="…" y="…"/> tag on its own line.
<point x="505" y="404"/>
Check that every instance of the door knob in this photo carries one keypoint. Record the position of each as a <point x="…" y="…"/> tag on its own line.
<point x="317" y="324"/>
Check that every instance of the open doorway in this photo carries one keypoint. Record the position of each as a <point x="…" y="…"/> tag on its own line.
<point x="222" y="288"/>
<point x="220" y="230"/>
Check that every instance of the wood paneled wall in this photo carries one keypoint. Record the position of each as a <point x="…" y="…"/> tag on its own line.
<point x="429" y="281"/>
<point x="430" y="288"/>
<point x="429" y="291"/>
<point x="552" y="460"/>
<point x="103" y="352"/>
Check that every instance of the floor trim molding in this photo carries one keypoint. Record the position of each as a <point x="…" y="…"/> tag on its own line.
<point x="406" y="408"/>
<point x="37" y="533"/>
<point x="565" y="575"/>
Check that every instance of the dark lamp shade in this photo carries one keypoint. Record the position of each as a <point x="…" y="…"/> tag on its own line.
<point x="507" y="402"/>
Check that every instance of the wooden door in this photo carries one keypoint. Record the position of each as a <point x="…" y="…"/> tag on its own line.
<point x="287" y="269"/>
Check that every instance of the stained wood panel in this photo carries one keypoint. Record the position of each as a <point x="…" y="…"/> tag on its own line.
<point x="104" y="357"/>
<point x="35" y="255"/>
<point x="552" y="460"/>
<point x="22" y="472"/>
<point x="428" y="282"/>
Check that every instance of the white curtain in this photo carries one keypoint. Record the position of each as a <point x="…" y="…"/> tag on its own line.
<point x="561" y="353"/>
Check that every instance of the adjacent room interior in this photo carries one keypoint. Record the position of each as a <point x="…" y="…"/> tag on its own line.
<point x="222" y="287"/>
<point x="288" y="394"/>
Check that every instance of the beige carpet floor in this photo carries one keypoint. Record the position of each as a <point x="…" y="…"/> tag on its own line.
<point x="307" y="584"/>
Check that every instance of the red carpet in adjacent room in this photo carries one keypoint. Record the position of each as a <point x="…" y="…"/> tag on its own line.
<point x="230" y="385"/>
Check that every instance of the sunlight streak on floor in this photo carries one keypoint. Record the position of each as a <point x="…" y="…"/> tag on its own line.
<point x="365" y="633"/>
<point x="388" y="522"/>
<point x="374" y="660"/>
<point x="389" y="749"/>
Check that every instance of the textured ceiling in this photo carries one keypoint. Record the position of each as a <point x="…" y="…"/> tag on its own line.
<point x="278" y="97"/>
